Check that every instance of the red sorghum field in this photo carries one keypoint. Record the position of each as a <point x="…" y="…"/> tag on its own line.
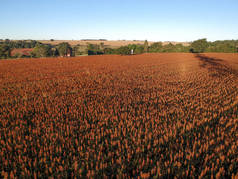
<point x="151" y="115"/>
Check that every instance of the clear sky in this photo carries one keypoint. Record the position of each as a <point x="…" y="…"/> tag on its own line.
<point x="154" y="20"/>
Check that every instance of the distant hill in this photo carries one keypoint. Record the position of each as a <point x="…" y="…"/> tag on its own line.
<point x="111" y="43"/>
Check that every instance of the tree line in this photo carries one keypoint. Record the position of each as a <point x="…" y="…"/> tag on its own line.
<point x="38" y="49"/>
<point x="65" y="49"/>
<point x="198" y="46"/>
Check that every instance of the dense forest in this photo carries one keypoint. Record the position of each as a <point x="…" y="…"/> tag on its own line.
<point x="37" y="49"/>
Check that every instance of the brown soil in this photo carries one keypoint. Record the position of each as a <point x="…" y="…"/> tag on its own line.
<point x="23" y="51"/>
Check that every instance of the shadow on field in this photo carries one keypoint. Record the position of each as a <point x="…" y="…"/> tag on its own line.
<point x="215" y="66"/>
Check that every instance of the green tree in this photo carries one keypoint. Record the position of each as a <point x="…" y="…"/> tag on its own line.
<point x="33" y="43"/>
<point x="199" y="46"/>
<point x="139" y="49"/>
<point x="109" y="51"/>
<point x="132" y="46"/>
<point x="168" y="48"/>
<point x="7" y="41"/>
<point x="124" y="50"/>
<point x="42" y="50"/>
<point x="226" y="46"/>
<point x="64" y="49"/>
<point x="94" y="49"/>
<point x="102" y="45"/>
<point x="5" y="51"/>
<point x="80" y="50"/>
<point x="156" y="47"/>
<point x="146" y="46"/>
<point x="54" y="52"/>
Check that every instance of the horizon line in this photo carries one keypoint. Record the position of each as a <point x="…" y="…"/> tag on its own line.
<point x="102" y="39"/>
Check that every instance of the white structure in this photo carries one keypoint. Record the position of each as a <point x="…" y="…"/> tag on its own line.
<point x="132" y="51"/>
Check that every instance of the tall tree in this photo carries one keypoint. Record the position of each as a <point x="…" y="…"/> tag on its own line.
<point x="42" y="50"/>
<point x="146" y="46"/>
<point x="124" y="50"/>
<point x="156" y="47"/>
<point x="199" y="46"/>
<point x="101" y="45"/>
<point x="5" y="51"/>
<point x="64" y="49"/>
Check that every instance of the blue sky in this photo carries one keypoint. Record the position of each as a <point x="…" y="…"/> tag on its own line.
<point x="154" y="20"/>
